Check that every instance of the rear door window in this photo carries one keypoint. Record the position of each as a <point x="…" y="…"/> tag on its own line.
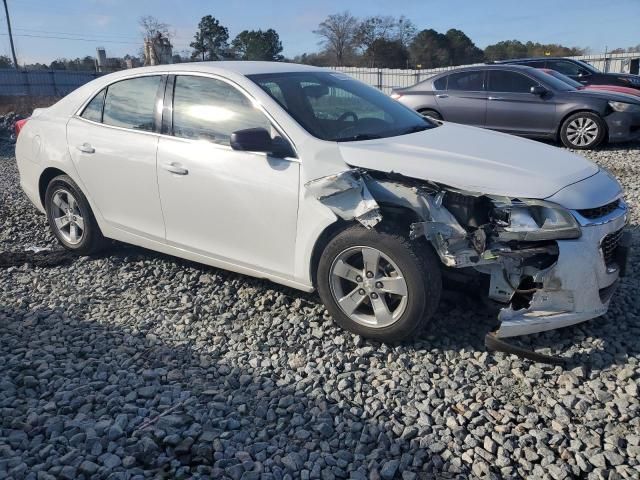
<point x="131" y="103"/>
<point x="510" y="82"/>
<point x="466" y="81"/>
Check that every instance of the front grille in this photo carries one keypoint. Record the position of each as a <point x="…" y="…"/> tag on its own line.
<point x="598" y="212"/>
<point x="609" y="245"/>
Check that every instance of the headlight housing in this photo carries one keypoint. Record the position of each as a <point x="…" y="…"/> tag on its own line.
<point x="536" y="220"/>
<point x="624" y="107"/>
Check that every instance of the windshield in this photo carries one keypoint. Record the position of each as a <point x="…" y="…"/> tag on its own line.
<point x="551" y="81"/>
<point x="335" y="107"/>
<point x="564" y="78"/>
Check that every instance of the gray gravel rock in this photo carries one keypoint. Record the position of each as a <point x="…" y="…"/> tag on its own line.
<point x="136" y="365"/>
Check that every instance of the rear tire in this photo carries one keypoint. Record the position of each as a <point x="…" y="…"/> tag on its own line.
<point x="427" y="112"/>
<point x="387" y="299"/>
<point x="70" y="217"/>
<point x="583" y="131"/>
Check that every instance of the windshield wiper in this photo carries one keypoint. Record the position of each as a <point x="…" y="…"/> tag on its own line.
<point x="416" y="129"/>
<point x="359" y="136"/>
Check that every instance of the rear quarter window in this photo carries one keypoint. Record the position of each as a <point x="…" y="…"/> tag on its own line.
<point x="440" y="83"/>
<point x="93" y="110"/>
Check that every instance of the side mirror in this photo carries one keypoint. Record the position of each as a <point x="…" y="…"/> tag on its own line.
<point x="259" y="140"/>
<point x="538" y="90"/>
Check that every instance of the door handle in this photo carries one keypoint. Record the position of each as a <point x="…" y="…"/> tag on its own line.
<point x="175" y="168"/>
<point x="442" y="95"/>
<point x="494" y="98"/>
<point x="86" y="148"/>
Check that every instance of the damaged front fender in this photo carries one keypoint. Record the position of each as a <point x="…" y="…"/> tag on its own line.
<point x="347" y="195"/>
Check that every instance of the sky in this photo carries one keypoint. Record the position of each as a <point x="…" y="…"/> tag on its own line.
<point x="79" y="26"/>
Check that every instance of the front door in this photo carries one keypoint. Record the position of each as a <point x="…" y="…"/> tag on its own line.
<point x="113" y="147"/>
<point x="512" y="108"/>
<point x="236" y="206"/>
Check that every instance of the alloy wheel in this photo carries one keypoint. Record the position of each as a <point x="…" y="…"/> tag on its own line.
<point x="368" y="286"/>
<point x="67" y="217"/>
<point x="582" y="131"/>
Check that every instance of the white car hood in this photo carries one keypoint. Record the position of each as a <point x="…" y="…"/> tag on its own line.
<point x="473" y="159"/>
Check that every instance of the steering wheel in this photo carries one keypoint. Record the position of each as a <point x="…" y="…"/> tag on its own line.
<point x="346" y="115"/>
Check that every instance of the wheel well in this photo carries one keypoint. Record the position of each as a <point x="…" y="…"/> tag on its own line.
<point x="425" y="109"/>
<point x="401" y="217"/>
<point x="47" y="175"/>
<point x="583" y="110"/>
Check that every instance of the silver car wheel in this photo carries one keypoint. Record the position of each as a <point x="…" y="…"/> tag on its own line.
<point x="67" y="217"/>
<point x="582" y="131"/>
<point x="368" y="286"/>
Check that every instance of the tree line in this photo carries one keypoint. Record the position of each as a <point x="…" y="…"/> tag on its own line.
<point x="344" y="39"/>
<point x="396" y="42"/>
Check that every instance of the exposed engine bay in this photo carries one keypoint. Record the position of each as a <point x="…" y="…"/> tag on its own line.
<point x="541" y="265"/>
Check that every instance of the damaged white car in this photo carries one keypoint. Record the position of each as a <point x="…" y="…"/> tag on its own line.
<point x="312" y="179"/>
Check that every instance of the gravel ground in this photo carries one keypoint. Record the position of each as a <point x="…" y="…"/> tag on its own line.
<point x="135" y="365"/>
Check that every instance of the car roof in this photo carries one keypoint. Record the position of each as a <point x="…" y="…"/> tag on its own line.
<point x="236" y="66"/>
<point x="515" y="68"/>
<point x="530" y="59"/>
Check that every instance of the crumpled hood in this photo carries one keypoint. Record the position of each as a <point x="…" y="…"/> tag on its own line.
<point x="473" y="159"/>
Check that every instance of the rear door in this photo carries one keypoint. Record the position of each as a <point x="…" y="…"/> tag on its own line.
<point x="465" y="99"/>
<point x="512" y="108"/>
<point x="113" y="146"/>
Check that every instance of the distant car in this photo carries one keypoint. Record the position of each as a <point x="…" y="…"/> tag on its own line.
<point x="312" y="179"/>
<point x="578" y="70"/>
<point x="525" y="101"/>
<point x="579" y="86"/>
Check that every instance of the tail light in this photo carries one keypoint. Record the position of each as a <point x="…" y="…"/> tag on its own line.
<point x="19" y="125"/>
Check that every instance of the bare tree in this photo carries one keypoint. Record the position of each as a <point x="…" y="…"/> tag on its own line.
<point x="375" y="28"/>
<point x="156" y="34"/>
<point x="374" y="32"/>
<point x="338" y="32"/>
<point x="405" y="30"/>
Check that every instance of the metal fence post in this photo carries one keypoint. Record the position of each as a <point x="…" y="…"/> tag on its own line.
<point x="53" y="82"/>
<point x="380" y="79"/>
<point x="26" y="82"/>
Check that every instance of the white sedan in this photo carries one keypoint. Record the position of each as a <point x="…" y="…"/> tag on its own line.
<point x="312" y="179"/>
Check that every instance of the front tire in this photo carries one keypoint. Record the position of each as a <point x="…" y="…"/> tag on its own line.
<point x="379" y="284"/>
<point x="583" y="131"/>
<point x="429" y="113"/>
<point x="70" y="217"/>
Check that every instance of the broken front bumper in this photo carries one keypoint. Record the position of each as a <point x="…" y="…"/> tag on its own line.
<point x="580" y="284"/>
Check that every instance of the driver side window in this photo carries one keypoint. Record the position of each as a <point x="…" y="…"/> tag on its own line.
<point x="210" y="109"/>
